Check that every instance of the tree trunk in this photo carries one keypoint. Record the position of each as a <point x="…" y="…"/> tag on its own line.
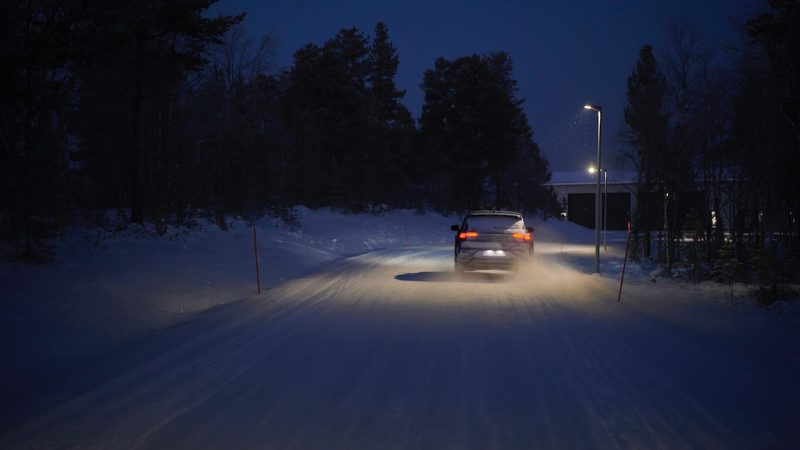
<point x="137" y="168"/>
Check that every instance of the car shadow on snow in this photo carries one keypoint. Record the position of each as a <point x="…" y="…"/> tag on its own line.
<point x="451" y="277"/>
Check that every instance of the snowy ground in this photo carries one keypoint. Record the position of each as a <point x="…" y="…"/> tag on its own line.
<point x="85" y="344"/>
<point x="110" y="289"/>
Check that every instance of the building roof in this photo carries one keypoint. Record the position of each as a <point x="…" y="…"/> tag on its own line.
<point x="585" y="177"/>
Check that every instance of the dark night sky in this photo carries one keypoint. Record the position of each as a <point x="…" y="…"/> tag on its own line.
<point x="566" y="53"/>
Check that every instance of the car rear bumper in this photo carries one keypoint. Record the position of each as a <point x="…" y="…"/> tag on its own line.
<point x="480" y="260"/>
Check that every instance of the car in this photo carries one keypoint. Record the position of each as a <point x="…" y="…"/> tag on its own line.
<point x="492" y="240"/>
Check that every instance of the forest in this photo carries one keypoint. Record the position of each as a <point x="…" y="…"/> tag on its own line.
<point x="164" y="114"/>
<point x="713" y="132"/>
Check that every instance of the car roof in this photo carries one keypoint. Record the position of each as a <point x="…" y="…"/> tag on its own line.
<point x="494" y="213"/>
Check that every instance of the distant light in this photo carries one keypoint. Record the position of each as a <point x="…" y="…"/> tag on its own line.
<point x="592" y="170"/>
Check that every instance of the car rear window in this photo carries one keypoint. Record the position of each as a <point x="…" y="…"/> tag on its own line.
<point x="494" y="223"/>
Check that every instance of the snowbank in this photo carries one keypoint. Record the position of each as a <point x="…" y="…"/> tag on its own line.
<point x="109" y="288"/>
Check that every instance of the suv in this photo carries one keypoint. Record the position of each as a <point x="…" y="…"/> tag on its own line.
<point x="492" y="240"/>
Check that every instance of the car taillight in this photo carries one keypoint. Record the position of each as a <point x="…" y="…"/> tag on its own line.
<point x="467" y="234"/>
<point x="524" y="236"/>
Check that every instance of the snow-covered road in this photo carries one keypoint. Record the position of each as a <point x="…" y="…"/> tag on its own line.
<point x="389" y="350"/>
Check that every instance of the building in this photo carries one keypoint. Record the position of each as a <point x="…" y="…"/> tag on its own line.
<point x="576" y="191"/>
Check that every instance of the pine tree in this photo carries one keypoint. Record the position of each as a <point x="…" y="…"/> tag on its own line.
<point x="383" y="69"/>
<point x="777" y="32"/>
<point x="43" y="44"/>
<point x="473" y="119"/>
<point x="163" y="32"/>
<point x="391" y="127"/>
<point x="726" y="266"/>
<point x="345" y="119"/>
<point x="646" y="134"/>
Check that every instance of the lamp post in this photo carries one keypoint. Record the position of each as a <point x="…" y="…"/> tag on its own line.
<point x="597" y="191"/>
<point x="605" y="205"/>
<point x="605" y="209"/>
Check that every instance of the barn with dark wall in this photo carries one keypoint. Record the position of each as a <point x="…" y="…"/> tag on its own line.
<point x="576" y="192"/>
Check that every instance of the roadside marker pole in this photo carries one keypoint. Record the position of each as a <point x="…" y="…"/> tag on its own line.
<point x="625" y="262"/>
<point x="255" y="247"/>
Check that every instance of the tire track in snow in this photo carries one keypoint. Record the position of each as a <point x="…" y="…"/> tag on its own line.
<point x="629" y="404"/>
<point x="389" y="350"/>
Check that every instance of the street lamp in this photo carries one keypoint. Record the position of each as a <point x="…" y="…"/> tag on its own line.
<point x="605" y="205"/>
<point x="597" y="191"/>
